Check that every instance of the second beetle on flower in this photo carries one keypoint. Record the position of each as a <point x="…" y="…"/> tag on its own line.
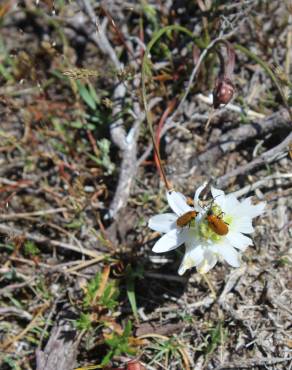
<point x="211" y="233"/>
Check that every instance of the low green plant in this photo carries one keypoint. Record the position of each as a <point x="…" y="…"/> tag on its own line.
<point x="108" y="298"/>
<point x="84" y="322"/>
<point x="6" y="62"/>
<point x="216" y="337"/>
<point x="11" y="362"/>
<point x="131" y="276"/>
<point x="88" y="95"/>
<point x="42" y="289"/>
<point x="166" y="350"/>
<point x="150" y="13"/>
<point x="30" y="249"/>
<point x="95" y="114"/>
<point x="104" y="157"/>
<point x="119" y="344"/>
<point x="96" y="301"/>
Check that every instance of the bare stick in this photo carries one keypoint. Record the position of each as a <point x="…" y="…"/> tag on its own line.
<point x="250" y="128"/>
<point x="251" y="363"/>
<point x="231" y="282"/>
<point x="266" y="157"/>
<point x="255" y="185"/>
<point x="11" y="231"/>
<point x="232" y="107"/>
<point x="13" y="311"/>
<point x="233" y="138"/>
<point x="128" y="166"/>
<point x="44" y="212"/>
<point x="14" y="287"/>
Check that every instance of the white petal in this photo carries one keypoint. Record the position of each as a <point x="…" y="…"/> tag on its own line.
<point x="242" y="225"/>
<point x="209" y="261"/>
<point x="163" y="223"/>
<point x="170" y="241"/>
<point x="232" y="205"/>
<point x="196" y="253"/>
<point x="230" y="255"/>
<point x="246" y="201"/>
<point x="193" y="257"/>
<point x="250" y="210"/>
<point x="239" y="240"/>
<point x="178" y="202"/>
<point x="219" y="197"/>
<point x="254" y="211"/>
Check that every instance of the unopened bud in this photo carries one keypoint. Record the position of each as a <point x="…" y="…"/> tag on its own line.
<point x="224" y="87"/>
<point x="223" y="92"/>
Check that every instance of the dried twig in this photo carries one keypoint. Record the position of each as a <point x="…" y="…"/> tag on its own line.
<point x="233" y="138"/>
<point x="15" y="216"/>
<point x="13" y="311"/>
<point x="255" y="185"/>
<point x="248" y="364"/>
<point x="266" y="157"/>
<point x="17" y="337"/>
<point x="12" y="231"/>
<point x="128" y="146"/>
<point x="61" y="267"/>
<point x="231" y="282"/>
<point x="14" y="287"/>
<point x="232" y="107"/>
<point x="84" y="264"/>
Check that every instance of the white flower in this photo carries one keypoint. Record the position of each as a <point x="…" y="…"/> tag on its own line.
<point x="205" y="245"/>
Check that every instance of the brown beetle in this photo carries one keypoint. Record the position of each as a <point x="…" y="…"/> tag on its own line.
<point x="186" y="218"/>
<point x="216" y="223"/>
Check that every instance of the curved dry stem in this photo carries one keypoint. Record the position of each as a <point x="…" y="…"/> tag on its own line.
<point x="145" y="64"/>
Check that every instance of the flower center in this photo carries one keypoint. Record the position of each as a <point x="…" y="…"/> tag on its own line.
<point x="207" y="233"/>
